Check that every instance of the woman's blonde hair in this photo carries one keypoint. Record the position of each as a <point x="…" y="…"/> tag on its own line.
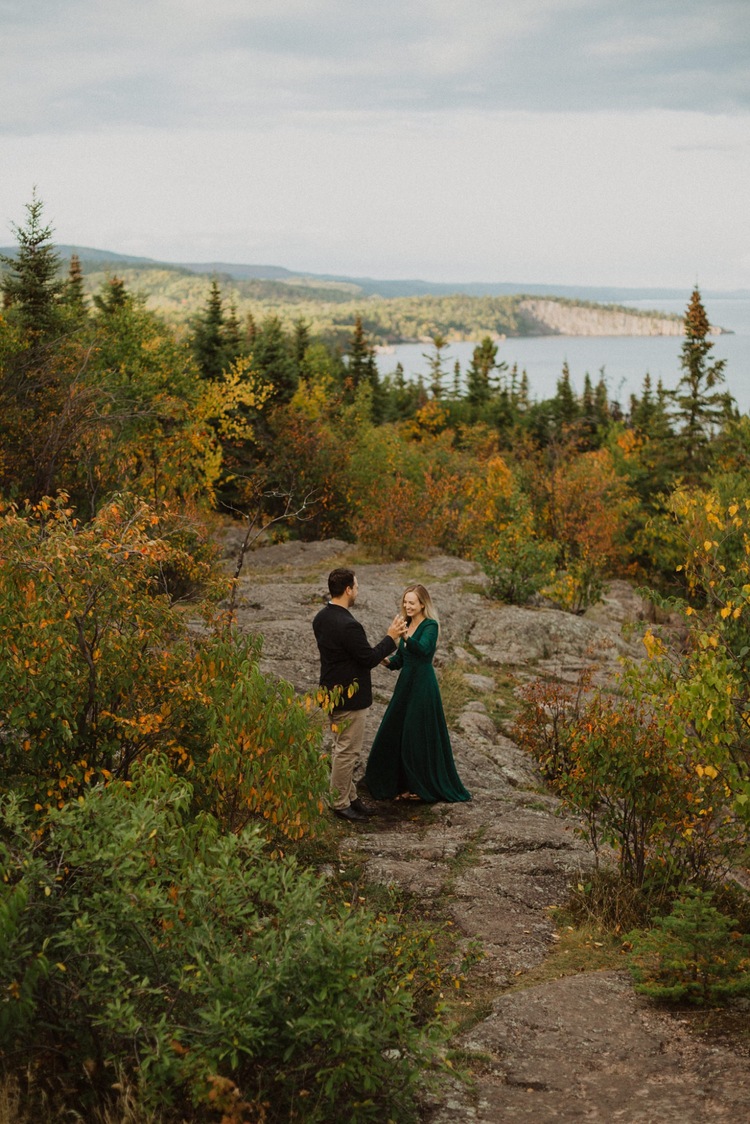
<point x="424" y="599"/>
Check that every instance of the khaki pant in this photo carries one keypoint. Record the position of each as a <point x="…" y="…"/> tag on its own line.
<point x="348" y="728"/>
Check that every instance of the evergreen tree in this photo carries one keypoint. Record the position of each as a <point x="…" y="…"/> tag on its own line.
<point x="251" y="331"/>
<point x="114" y="296"/>
<point x="300" y="344"/>
<point x="435" y="361"/>
<point x="401" y="399"/>
<point x="589" y="420"/>
<point x="31" y="286"/>
<point x="524" y="390"/>
<point x="479" y="386"/>
<point x="73" y="296"/>
<point x="457" y="380"/>
<point x="272" y="357"/>
<point x="233" y="343"/>
<point x="602" y="411"/>
<point x="362" y="368"/>
<point x="361" y="365"/>
<point x="698" y="407"/>
<point x="208" y="342"/>
<point x="565" y="405"/>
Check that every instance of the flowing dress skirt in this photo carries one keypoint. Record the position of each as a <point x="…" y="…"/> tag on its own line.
<point x="412" y="749"/>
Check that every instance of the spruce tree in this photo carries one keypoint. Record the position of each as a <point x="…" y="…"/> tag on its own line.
<point x="113" y="296"/>
<point x="565" y="405"/>
<point x="233" y="343"/>
<point x="362" y="368"/>
<point x="208" y="336"/>
<point x="435" y="363"/>
<point x="300" y="344"/>
<point x="272" y="357"/>
<point x="73" y="295"/>
<point x="479" y="386"/>
<point x="31" y="286"/>
<point x="698" y="407"/>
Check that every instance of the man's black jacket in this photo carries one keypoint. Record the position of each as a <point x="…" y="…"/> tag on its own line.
<point x="346" y="656"/>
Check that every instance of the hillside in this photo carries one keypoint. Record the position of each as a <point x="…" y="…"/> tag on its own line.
<point x="331" y="306"/>
<point x="392" y="311"/>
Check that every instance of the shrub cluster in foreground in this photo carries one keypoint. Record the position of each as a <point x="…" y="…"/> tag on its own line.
<point x="142" y="945"/>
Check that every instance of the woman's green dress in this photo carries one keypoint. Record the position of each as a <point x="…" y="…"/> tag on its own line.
<point x="412" y="749"/>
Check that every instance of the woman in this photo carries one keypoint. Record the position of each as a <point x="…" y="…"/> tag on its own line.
<point x="412" y="750"/>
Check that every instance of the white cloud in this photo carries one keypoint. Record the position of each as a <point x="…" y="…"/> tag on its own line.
<point x="89" y="63"/>
<point x="588" y="198"/>
<point x="542" y="140"/>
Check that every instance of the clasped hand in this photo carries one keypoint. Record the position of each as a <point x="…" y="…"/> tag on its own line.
<point x="398" y="627"/>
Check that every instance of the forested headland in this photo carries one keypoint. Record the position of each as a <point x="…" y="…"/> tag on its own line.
<point x="165" y="936"/>
<point x="331" y="307"/>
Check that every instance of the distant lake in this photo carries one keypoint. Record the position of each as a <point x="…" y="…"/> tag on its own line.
<point x="624" y="359"/>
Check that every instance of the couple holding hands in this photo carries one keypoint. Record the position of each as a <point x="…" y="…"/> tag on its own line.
<point x="411" y="754"/>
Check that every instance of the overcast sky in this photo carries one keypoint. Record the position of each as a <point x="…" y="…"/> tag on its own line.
<point x="557" y="141"/>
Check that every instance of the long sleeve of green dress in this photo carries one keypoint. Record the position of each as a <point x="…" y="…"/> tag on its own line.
<point x="412" y="749"/>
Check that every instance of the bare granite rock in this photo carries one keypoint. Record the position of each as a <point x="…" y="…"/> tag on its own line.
<point x="579" y="1048"/>
<point x="585" y="1047"/>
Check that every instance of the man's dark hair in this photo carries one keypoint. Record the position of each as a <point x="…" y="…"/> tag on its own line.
<point x="339" y="581"/>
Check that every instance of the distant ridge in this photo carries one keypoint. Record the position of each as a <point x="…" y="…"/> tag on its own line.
<point x="94" y="259"/>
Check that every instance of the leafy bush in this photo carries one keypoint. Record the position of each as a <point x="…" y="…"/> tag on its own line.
<point x="576" y="588"/>
<point x="98" y="668"/>
<point x="547" y="716"/>
<point x="694" y="954"/>
<point x="625" y="781"/>
<point x="141" y="946"/>
<point x="627" y="765"/>
<point x="517" y="565"/>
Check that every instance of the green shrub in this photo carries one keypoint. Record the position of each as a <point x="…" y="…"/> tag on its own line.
<point x="141" y="946"/>
<point x="694" y="954"/>
<point x="517" y="565"/>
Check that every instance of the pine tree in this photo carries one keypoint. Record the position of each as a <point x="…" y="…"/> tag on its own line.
<point x="31" y="286"/>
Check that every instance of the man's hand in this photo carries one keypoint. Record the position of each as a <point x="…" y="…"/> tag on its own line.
<point x="397" y="628"/>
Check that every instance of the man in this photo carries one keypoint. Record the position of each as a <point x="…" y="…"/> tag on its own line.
<point x="346" y="660"/>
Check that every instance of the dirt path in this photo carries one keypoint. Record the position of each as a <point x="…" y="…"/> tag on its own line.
<point x="581" y="1047"/>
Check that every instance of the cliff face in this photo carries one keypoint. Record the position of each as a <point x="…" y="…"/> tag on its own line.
<point x="547" y="317"/>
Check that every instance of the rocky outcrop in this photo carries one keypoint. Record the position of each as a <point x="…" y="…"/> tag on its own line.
<point x="580" y="1047"/>
<point x="559" y="318"/>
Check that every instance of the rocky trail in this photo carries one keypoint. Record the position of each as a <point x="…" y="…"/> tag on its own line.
<point x="545" y="1045"/>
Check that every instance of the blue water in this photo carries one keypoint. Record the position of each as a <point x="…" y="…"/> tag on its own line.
<point x="623" y="359"/>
